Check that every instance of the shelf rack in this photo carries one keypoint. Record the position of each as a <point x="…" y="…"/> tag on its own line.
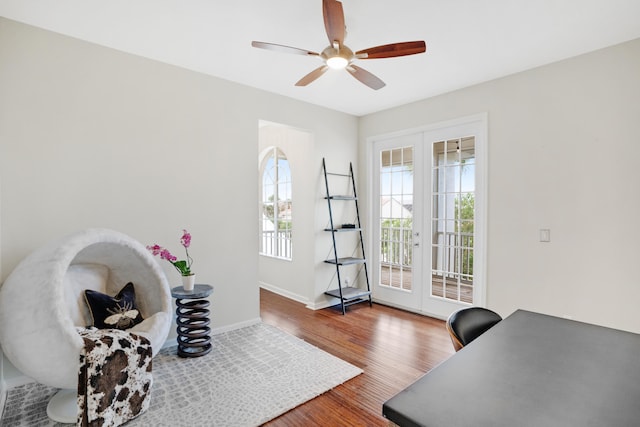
<point x="347" y="295"/>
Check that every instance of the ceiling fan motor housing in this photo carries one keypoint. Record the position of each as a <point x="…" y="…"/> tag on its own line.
<point x="337" y="57"/>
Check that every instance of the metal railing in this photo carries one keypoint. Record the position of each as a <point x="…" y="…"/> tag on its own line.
<point x="453" y="255"/>
<point x="452" y="252"/>
<point x="396" y="246"/>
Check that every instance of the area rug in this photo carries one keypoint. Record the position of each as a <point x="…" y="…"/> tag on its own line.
<point x="251" y="376"/>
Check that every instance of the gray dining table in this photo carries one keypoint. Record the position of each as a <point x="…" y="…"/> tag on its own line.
<point x="530" y="369"/>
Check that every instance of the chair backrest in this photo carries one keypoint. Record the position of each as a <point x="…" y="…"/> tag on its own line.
<point x="467" y="324"/>
<point x="42" y="302"/>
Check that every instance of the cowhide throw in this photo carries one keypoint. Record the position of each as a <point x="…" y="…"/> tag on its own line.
<point x="114" y="383"/>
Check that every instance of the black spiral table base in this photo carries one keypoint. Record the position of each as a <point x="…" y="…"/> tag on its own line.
<point x="193" y="327"/>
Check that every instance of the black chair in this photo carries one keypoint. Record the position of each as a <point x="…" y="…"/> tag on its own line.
<point x="467" y="324"/>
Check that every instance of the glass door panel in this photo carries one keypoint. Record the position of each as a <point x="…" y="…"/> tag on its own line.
<point x="396" y="221"/>
<point x="396" y="276"/>
<point x="453" y="219"/>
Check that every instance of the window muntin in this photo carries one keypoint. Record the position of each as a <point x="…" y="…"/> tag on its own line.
<point x="276" y="205"/>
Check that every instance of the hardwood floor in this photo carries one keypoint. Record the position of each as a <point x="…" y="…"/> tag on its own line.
<point x="393" y="348"/>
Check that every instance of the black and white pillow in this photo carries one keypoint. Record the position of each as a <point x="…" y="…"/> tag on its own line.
<point x="118" y="312"/>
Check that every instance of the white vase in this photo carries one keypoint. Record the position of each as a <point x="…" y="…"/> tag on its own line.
<point x="188" y="282"/>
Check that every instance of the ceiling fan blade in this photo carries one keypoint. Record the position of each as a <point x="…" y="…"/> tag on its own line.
<point x="312" y="76"/>
<point x="282" y="48"/>
<point x="333" y="20"/>
<point x="365" y="77"/>
<point x="393" y="49"/>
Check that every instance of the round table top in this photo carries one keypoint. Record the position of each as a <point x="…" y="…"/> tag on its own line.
<point x="199" y="291"/>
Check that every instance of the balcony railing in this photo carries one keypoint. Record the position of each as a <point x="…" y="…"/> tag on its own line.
<point x="276" y="244"/>
<point x="396" y="246"/>
<point x="453" y="255"/>
<point x="452" y="252"/>
<point x="451" y="269"/>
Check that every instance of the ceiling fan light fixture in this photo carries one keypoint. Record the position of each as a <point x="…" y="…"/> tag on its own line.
<point x="337" y="62"/>
<point x="338" y="56"/>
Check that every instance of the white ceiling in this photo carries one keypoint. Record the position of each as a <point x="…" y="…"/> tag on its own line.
<point x="468" y="41"/>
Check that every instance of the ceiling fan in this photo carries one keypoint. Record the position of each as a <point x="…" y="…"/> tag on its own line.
<point x="339" y="56"/>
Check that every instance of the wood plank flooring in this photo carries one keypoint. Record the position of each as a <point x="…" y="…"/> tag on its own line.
<point x="393" y="348"/>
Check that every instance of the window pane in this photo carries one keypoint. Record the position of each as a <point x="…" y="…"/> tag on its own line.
<point x="396" y="226"/>
<point x="468" y="150"/>
<point x="467" y="178"/>
<point x="453" y="176"/>
<point x="276" y="223"/>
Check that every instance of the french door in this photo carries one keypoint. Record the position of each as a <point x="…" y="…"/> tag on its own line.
<point x="397" y="184"/>
<point x="428" y="197"/>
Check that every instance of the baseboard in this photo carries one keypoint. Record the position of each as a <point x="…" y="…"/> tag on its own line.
<point x="3" y="397"/>
<point x="3" y="387"/>
<point x="331" y="302"/>
<point x="312" y="305"/>
<point x="410" y="310"/>
<point x="234" y="326"/>
<point x="323" y="304"/>
<point x="285" y="293"/>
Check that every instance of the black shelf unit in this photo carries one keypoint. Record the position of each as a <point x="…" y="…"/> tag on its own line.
<point x="347" y="295"/>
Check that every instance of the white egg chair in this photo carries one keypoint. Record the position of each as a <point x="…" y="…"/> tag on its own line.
<point x="42" y="304"/>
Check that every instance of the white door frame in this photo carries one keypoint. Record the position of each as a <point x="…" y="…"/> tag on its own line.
<point x="476" y="125"/>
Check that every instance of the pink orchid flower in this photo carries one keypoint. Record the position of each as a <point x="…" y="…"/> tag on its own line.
<point x="183" y="266"/>
<point x="165" y="254"/>
<point x="186" y="239"/>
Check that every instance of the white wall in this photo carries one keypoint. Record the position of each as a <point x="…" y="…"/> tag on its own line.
<point x="563" y="153"/>
<point x="93" y="137"/>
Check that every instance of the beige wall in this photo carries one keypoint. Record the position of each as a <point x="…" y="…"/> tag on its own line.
<point x="563" y="154"/>
<point x="93" y="137"/>
<point x="90" y="136"/>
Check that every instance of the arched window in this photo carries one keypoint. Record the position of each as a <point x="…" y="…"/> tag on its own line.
<point x="275" y="203"/>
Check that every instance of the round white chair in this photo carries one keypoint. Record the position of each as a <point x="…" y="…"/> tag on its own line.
<point x="42" y="304"/>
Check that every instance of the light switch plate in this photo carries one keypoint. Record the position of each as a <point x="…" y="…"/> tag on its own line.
<point x="545" y="235"/>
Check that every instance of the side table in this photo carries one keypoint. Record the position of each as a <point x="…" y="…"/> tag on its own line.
<point x="193" y="320"/>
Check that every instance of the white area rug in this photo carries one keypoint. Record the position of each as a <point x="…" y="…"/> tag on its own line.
<point x="251" y="376"/>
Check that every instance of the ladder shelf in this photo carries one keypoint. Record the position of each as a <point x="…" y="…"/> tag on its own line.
<point x="347" y="295"/>
<point x="345" y="261"/>
<point x="342" y="230"/>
